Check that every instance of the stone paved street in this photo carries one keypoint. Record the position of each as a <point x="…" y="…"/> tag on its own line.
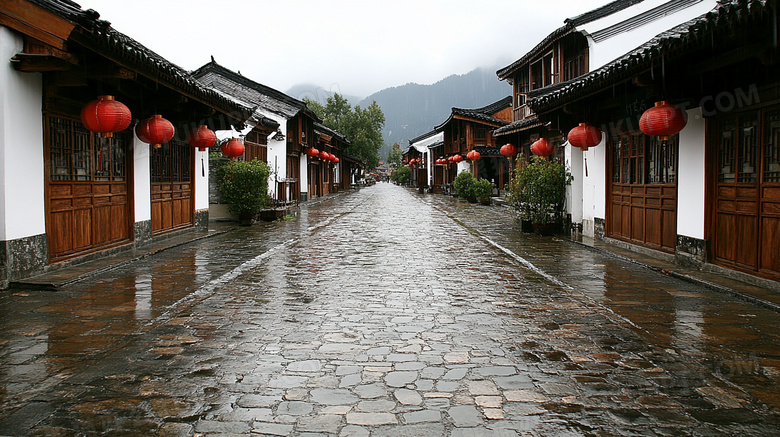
<point x="385" y="312"/>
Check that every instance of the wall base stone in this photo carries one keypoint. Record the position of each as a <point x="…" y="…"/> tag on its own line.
<point x="22" y="258"/>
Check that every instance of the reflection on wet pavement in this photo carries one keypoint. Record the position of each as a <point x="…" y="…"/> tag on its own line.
<point x="386" y="312"/>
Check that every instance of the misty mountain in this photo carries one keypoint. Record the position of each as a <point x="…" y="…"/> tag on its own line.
<point x="412" y="109"/>
<point x="319" y="94"/>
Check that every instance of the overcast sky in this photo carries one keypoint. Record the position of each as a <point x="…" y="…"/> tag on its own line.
<point x="347" y="46"/>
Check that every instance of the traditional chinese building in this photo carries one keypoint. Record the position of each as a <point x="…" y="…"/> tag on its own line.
<point x="706" y="194"/>
<point x="467" y="130"/>
<point x="70" y="193"/>
<point x="283" y="148"/>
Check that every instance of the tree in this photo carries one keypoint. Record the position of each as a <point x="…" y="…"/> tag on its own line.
<point x="394" y="156"/>
<point x="401" y="175"/>
<point x="362" y="127"/>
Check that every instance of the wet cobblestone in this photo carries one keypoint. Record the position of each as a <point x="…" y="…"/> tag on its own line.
<point x="386" y="313"/>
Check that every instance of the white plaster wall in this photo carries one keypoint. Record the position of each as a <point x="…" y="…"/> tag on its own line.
<point x="606" y="51"/>
<point x="303" y="184"/>
<point x="201" y="180"/>
<point x="142" y="180"/>
<point x="594" y="186"/>
<point x="22" y="199"/>
<point x="574" y="192"/>
<point x="691" y="181"/>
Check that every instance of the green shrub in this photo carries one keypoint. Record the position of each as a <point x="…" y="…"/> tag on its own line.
<point x="483" y="189"/>
<point x="244" y="186"/>
<point x="537" y="190"/>
<point x="401" y="175"/>
<point x="464" y="185"/>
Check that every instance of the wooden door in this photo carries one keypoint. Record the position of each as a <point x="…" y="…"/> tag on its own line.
<point x="746" y="225"/>
<point x="643" y="191"/>
<point x="172" y="187"/>
<point x="87" y="189"/>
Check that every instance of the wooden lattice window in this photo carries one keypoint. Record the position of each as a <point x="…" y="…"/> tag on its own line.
<point x="171" y="162"/>
<point x="662" y="160"/>
<point x="76" y="154"/>
<point x="255" y="147"/>
<point x="737" y="149"/>
<point x="772" y="147"/>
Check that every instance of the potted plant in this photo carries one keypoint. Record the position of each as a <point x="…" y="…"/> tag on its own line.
<point x="537" y="190"/>
<point x="244" y="187"/>
<point x="483" y="190"/>
<point x="464" y="186"/>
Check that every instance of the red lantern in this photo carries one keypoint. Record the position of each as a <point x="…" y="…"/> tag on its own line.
<point x="473" y="155"/>
<point x="336" y="159"/>
<point x="508" y="150"/>
<point x="584" y="136"/>
<point x="542" y="147"/>
<point x="233" y="148"/>
<point x="312" y="152"/>
<point x="457" y="158"/>
<point x="155" y="130"/>
<point x="663" y="120"/>
<point x="323" y="155"/>
<point x="106" y="116"/>
<point x="202" y="138"/>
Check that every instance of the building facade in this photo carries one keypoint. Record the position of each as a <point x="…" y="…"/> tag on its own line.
<point x="69" y="193"/>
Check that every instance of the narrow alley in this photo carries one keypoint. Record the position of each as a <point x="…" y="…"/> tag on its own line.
<point x="386" y="313"/>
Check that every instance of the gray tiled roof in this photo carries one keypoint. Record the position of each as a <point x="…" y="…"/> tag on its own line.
<point x="726" y="15"/>
<point x="484" y="113"/>
<point x="250" y="92"/>
<point x="517" y="126"/>
<point x="99" y="36"/>
<point x="568" y="27"/>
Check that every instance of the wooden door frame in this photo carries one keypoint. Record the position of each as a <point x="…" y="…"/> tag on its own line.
<point x="711" y="184"/>
<point x="48" y="112"/>
<point x="610" y="191"/>
<point x="192" y="191"/>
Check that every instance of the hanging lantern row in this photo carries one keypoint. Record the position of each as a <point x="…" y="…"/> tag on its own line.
<point x="584" y="136"/>
<point x="508" y="150"/>
<point x="473" y="155"/>
<point x="105" y="116"/>
<point x="441" y="161"/>
<point x="415" y="162"/>
<point x="663" y="120"/>
<point x="542" y="147"/>
<point x="325" y="156"/>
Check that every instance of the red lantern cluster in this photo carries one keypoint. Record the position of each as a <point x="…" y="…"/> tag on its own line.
<point x="441" y="161"/>
<point x="155" y="130"/>
<point x="584" y="136"/>
<point x="202" y="138"/>
<point x="325" y="156"/>
<point x="233" y="148"/>
<point x="473" y="155"/>
<point x="509" y="150"/>
<point x="106" y="116"/>
<point x="663" y="120"/>
<point x="542" y="147"/>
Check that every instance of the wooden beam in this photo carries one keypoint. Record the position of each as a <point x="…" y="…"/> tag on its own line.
<point x="35" y="63"/>
<point x="28" y="19"/>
